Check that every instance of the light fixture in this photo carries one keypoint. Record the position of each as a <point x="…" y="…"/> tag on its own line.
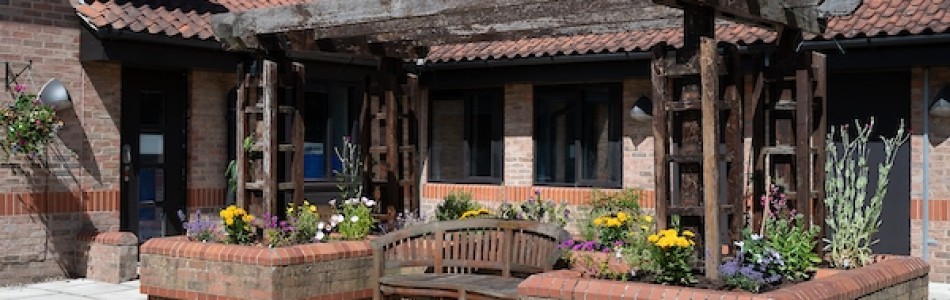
<point x="642" y="110"/>
<point x="54" y="94"/>
<point x="940" y="105"/>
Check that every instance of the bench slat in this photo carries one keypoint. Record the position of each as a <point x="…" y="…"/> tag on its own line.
<point x="488" y="285"/>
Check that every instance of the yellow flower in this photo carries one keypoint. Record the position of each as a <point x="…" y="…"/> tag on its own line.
<point x="644" y="227"/>
<point x="599" y="221"/>
<point x="613" y="222"/>
<point x="653" y="238"/>
<point x="290" y="210"/>
<point x="688" y="233"/>
<point x="622" y="216"/>
<point x="313" y="209"/>
<point x="306" y="203"/>
<point x="226" y="214"/>
<point x="229" y="221"/>
<point x="648" y="219"/>
<point x="248" y="218"/>
<point x="668" y="232"/>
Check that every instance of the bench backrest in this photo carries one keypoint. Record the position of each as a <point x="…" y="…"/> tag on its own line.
<point x="505" y="246"/>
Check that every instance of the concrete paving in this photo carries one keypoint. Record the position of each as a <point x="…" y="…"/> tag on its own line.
<point x="78" y="289"/>
<point x="84" y="289"/>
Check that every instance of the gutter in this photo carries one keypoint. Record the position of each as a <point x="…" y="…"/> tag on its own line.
<point x="925" y="216"/>
<point x="842" y="45"/>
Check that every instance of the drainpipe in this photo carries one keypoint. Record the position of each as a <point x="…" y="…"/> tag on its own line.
<point x="925" y="227"/>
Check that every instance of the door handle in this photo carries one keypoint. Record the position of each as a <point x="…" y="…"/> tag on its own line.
<point x="126" y="162"/>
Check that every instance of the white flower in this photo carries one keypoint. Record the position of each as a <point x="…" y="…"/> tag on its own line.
<point x="739" y="244"/>
<point x="354" y="219"/>
<point x="332" y="202"/>
<point x="321" y="225"/>
<point x="320" y="235"/>
<point x="756" y="237"/>
<point x="338" y="218"/>
<point x="364" y="199"/>
<point x="618" y="252"/>
<point x="370" y="202"/>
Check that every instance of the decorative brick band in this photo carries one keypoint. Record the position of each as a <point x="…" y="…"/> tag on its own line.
<point x="182" y="247"/>
<point x="58" y="202"/>
<point x="939" y="209"/>
<point x="206" y="197"/>
<point x="498" y="193"/>
<point x="112" y="238"/>
<point x="851" y="284"/>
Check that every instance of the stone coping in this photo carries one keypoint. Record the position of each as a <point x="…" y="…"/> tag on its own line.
<point x="112" y="238"/>
<point x="846" y="284"/>
<point x="180" y="246"/>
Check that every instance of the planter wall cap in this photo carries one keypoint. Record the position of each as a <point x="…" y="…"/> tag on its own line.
<point x="114" y="238"/>
<point x="315" y="252"/>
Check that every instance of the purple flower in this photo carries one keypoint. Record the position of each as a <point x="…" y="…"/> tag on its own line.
<point x="19" y="88"/>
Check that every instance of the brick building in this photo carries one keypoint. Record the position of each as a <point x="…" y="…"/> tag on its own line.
<point x="148" y="76"/>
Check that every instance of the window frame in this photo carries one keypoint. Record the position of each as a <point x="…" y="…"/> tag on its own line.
<point x="352" y="106"/>
<point x="576" y="95"/>
<point x="469" y="97"/>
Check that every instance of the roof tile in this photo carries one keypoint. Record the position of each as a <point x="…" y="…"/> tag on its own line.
<point x="191" y="19"/>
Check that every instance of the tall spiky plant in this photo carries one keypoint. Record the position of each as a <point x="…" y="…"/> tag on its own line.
<point x="851" y="216"/>
<point x="351" y="175"/>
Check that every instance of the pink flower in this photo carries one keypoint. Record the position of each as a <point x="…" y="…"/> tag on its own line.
<point x="19" y="88"/>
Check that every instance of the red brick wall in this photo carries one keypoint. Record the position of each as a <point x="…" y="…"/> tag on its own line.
<point x="518" y="135"/>
<point x="44" y="206"/>
<point x="207" y="138"/>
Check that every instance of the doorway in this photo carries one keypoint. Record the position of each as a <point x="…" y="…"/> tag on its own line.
<point x="886" y="97"/>
<point x="153" y="151"/>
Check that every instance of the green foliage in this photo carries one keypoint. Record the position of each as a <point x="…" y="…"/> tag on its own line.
<point x="354" y="218"/>
<point x="231" y="174"/>
<point x="351" y="176"/>
<point x="454" y="205"/>
<point x="535" y="209"/>
<point x="671" y="253"/>
<point x="28" y="125"/>
<point x="237" y="225"/>
<point x="852" y="217"/>
<point x="795" y="244"/>
<point x="628" y="200"/>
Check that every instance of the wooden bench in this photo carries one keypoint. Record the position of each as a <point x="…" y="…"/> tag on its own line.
<point x="463" y="259"/>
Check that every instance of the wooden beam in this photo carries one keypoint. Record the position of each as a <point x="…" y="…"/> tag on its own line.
<point x="270" y="137"/>
<point x="440" y="22"/>
<point x="800" y="14"/>
<point x="661" y="95"/>
<point x="298" y="132"/>
<point x="240" y="157"/>
<point x="803" y="153"/>
<point x="711" y="162"/>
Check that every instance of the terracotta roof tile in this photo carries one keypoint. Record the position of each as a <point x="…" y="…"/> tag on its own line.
<point x="191" y="19"/>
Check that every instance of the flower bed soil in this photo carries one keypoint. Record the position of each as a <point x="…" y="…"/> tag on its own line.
<point x="889" y="277"/>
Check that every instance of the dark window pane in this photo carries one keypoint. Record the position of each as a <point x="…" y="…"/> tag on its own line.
<point x="466" y="129"/>
<point x="315" y="136"/>
<point x="577" y="135"/>
<point x="596" y="136"/>
<point x="152" y="112"/>
<point x="448" y="139"/>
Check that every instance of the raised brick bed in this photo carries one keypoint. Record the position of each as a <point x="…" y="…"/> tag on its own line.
<point x="175" y="268"/>
<point x="894" y="277"/>
<point x="106" y="256"/>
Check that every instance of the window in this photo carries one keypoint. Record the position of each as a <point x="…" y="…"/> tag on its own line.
<point x="577" y="135"/>
<point x="466" y="136"/>
<point x="327" y="114"/>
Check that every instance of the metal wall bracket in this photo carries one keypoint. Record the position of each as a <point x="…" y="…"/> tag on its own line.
<point x="10" y="78"/>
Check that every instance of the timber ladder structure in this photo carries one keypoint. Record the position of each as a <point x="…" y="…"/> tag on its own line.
<point x="270" y="136"/>
<point x="699" y="111"/>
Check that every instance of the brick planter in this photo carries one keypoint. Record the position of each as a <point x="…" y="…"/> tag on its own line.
<point x="175" y="268"/>
<point x="892" y="278"/>
<point x="106" y="256"/>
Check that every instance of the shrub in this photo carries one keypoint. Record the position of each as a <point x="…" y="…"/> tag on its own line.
<point x="237" y="225"/>
<point x="199" y="229"/>
<point x="536" y="209"/>
<point x="853" y="218"/>
<point x="354" y="218"/>
<point x="671" y="253"/>
<point x="755" y="266"/>
<point x="454" y="205"/>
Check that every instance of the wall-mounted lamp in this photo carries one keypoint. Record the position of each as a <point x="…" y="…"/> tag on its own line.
<point x="642" y="110"/>
<point x="54" y="94"/>
<point x="940" y="105"/>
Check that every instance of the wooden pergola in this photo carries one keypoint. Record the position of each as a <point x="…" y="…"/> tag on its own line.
<point x="698" y="90"/>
